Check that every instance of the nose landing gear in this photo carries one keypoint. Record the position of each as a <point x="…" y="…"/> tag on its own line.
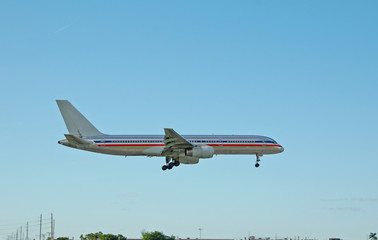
<point x="257" y="160"/>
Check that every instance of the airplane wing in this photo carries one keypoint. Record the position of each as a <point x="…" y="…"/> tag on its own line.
<point x="174" y="142"/>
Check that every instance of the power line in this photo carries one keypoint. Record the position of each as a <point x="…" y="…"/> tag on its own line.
<point x="16" y="224"/>
<point x="14" y="231"/>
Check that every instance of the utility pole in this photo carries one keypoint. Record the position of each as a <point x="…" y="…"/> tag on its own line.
<point x="27" y="230"/>
<point x="40" y="228"/>
<point x="52" y="227"/>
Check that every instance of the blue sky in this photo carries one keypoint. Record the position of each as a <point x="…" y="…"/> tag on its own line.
<point x="301" y="72"/>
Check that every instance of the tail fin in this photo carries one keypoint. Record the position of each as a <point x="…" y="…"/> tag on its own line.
<point x="76" y="123"/>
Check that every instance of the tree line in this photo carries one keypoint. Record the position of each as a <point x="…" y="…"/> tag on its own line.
<point x="101" y="236"/>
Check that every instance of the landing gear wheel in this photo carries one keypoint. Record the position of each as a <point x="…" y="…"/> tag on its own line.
<point x="177" y="163"/>
<point x="258" y="160"/>
<point x="164" y="167"/>
<point x="170" y="165"/>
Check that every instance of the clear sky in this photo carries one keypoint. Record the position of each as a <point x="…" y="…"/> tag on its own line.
<point x="302" y="72"/>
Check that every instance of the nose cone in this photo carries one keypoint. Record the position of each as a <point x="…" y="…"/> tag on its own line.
<point x="281" y="149"/>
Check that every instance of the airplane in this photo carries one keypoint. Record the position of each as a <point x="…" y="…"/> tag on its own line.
<point x="177" y="149"/>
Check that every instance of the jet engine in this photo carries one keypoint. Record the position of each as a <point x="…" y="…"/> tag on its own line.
<point x="188" y="160"/>
<point x="203" y="151"/>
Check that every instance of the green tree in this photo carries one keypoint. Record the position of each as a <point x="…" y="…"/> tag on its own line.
<point x="59" y="238"/>
<point x="373" y="236"/>
<point x="101" y="236"/>
<point x="91" y="236"/>
<point x="112" y="237"/>
<point x="156" y="236"/>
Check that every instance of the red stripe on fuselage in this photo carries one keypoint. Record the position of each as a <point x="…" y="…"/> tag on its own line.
<point x="130" y="145"/>
<point x="212" y="145"/>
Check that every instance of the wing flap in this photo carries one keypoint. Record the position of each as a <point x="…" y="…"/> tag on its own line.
<point x="174" y="142"/>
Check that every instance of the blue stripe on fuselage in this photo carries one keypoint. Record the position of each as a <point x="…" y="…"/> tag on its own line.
<point x="207" y="139"/>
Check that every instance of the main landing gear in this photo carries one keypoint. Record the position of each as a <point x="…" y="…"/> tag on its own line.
<point x="170" y="165"/>
<point x="257" y="160"/>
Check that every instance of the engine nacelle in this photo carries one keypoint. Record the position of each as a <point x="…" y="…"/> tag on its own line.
<point x="188" y="160"/>
<point x="203" y="151"/>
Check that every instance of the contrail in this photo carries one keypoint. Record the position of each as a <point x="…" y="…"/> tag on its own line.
<point x="63" y="28"/>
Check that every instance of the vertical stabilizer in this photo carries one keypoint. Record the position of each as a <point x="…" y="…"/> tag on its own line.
<point x="76" y="123"/>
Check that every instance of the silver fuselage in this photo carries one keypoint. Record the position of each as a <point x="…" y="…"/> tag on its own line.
<point x="153" y="145"/>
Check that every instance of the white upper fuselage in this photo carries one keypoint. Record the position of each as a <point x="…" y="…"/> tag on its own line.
<point x="153" y="145"/>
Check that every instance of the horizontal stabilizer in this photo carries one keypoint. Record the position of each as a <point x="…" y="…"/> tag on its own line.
<point x="76" y="140"/>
